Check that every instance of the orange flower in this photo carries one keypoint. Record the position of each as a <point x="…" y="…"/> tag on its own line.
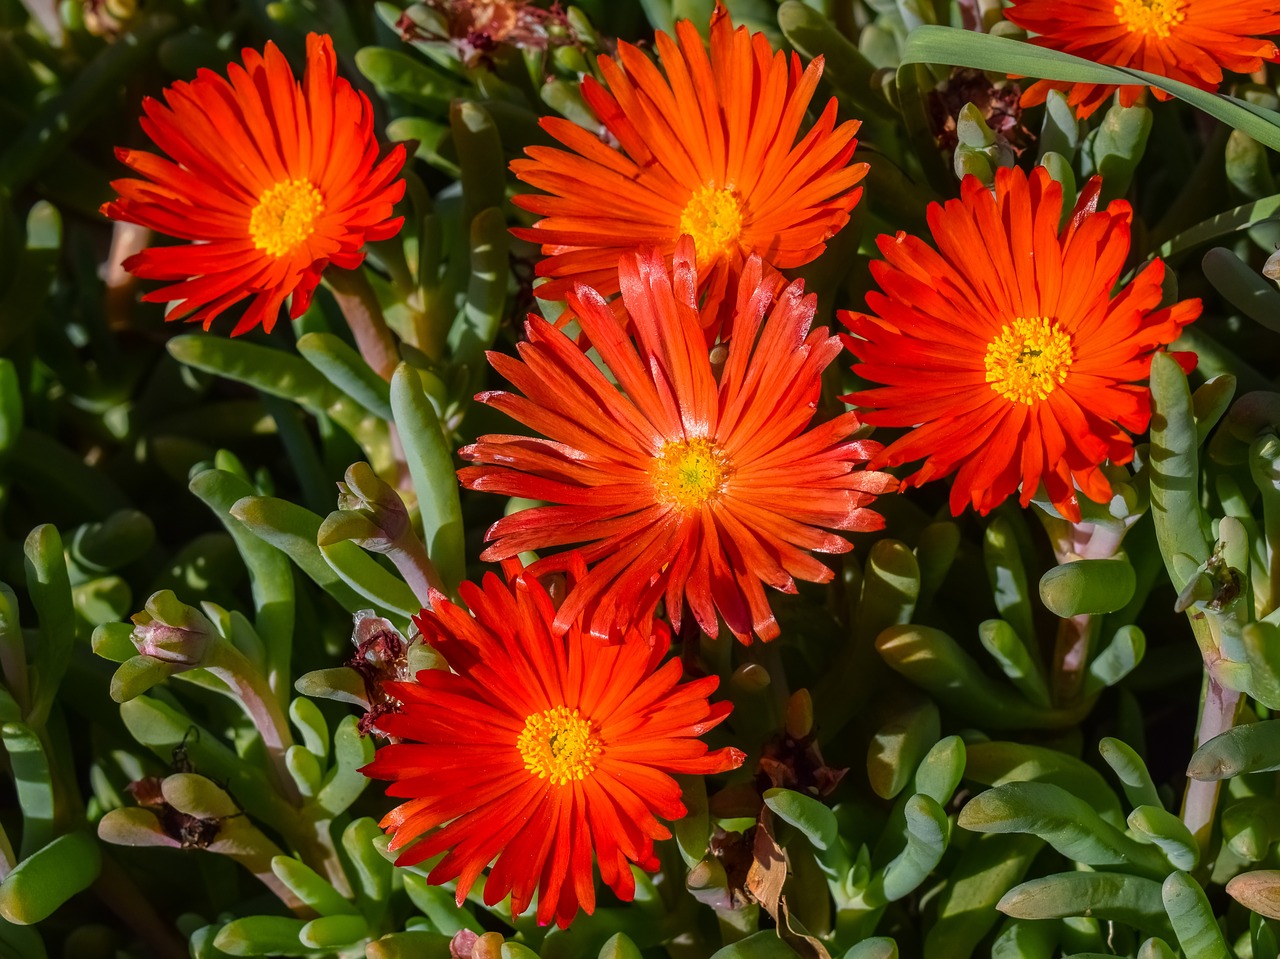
<point x="681" y="480"/>
<point x="540" y="749"/>
<point x="1188" y="40"/>
<point x="709" y="151"/>
<point x="269" y="180"/>
<point x="1005" y="349"/>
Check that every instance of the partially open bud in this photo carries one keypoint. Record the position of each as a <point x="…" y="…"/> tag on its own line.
<point x="370" y="513"/>
<point x="173" y="632"/>
<point x="979" y="149"/>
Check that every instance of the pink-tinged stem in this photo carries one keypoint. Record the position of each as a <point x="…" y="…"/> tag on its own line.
<point x="363" y="314"/>
<point x="1218" y="712"/>
<point x="311" y="837"/>
<point x="229" y="665"/>
<point x="416" y="569"/>
<point x="1071" y="657"/>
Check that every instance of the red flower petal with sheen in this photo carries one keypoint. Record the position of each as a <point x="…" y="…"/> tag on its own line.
<point x="681" y="481"/>
<point x="540" y="747"/>
<point x="269" y="180"/>
<point x="1005" y="349"/>
<point x="712" y="149"/>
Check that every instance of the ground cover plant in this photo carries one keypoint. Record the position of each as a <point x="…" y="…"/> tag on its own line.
<point x="491" y="479"/>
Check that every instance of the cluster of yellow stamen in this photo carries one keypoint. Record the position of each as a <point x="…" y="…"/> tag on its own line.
<point x="713" y="217"/>
<point x="1028" y="359"/>
<point x="1154" y="18"/>
<point x="285" y="216"/>
<point x="688" y="473"/>
<point x="559" y="745"/>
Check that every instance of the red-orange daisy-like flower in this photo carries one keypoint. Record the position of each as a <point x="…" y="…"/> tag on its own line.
<point x="1005" y="348"/>
<point x="541" y="747"/>
<point x="270" y="180"/>
<point x="681" y="479"/>
<point x="709" y="151"/>
<point x="1188" y="40"/>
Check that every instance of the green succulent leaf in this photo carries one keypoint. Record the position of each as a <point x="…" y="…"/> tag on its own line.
<point x="934" y="661"/>
<point x="346" y="369"/>
<point x="997" y="763"/>
<point x="1243" y="287"/>
<point x="925" y="831"/>
<point x="333" y="932"/>
<point x="909" y="731"/>
<point x="1254" y="747"/>
<point x="758" y="945"/>
<point x="476" y="327"/>
<point x="1087" y="586"/>
<point x="10" y="405"/>
<point x="416" y="944"/>
<point x="402" y="75"/>
<point x="619" y="946"/>
<point x="877" y="947"/>
<point x="33" y="779"/>
<point x="50" y="589"/>
<point x="1015" y="660"/>
<point x="1138" y="786"/>
<point x="372" y="871"/>
<point x="311" y="888"/>
<point x="48" y="877"/>
<point x="846" y="69"/>
<point x="1007" y="574"/>
<point x="1175" y="473"/>
<point x="1192" y="917"/>
<point x="1162" y="828"/>
<point x="344" y="782"/>
<point x="988" y="867"/>
<point x="431" y="467"/>
<point x="294" y="529"/>
<point x="1068" y="824"/>
<point x="262" y="936"/>
<point x="1132" y="900"/>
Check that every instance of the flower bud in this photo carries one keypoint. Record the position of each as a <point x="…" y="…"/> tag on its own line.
<point x="370" y="513"/>
<point x="173" y="632"/>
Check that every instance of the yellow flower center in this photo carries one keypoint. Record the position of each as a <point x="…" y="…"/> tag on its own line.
<point x="1152" y="17"/>
<point x="714" y="219"/>
<point x="687" y="473"/>
<point x="1028" y="360"/>
<point x="559" y="745"/>
<point x="285" y="216"/>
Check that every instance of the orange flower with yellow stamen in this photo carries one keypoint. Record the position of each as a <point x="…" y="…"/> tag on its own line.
<point x="1005" y="350"/>
<point x="683" y="481"/>
<point x="712" y="150"/>
<point x="541" y="748"/>
<point x="1188" y="40"/>
<point x="268" y="180"/>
